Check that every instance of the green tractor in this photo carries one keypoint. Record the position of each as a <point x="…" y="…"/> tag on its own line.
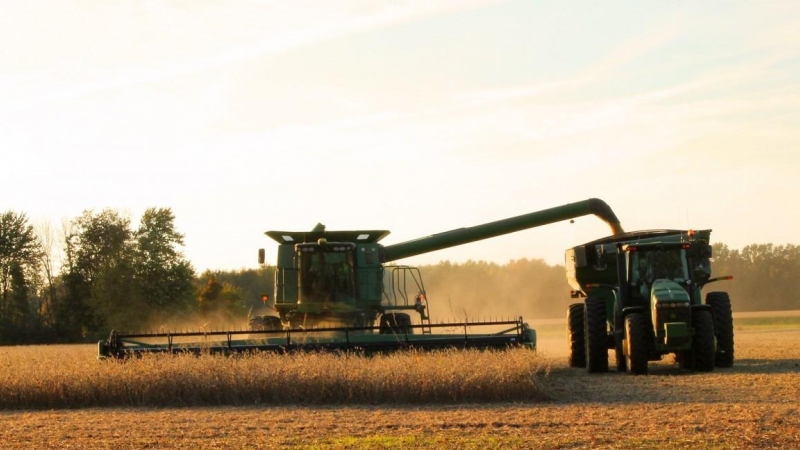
<point x="643" y="298"/>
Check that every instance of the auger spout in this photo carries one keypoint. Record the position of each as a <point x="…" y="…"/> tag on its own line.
<point x="466" y="235"/>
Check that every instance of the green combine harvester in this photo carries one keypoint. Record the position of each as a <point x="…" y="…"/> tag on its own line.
<point x="336" y="290"/>
<point x="643" y="299"/>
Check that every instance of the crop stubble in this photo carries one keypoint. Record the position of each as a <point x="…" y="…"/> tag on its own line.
<point x="753" y="405"/>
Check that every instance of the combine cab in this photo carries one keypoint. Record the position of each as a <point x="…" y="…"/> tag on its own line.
<point x="336" y="290"/>
<point x="643" y="299"/>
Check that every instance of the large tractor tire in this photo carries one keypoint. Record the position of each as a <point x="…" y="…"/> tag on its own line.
<point x="596" y="333"/>
<point x="395" y="323"/>
<point x="723" y="327"/>
<point x="576" y="341"/>
<point x="636" y="331"/>
<point x="703" y="341"/>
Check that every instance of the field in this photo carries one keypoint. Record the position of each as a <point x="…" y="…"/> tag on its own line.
<point x="446" y="400"/>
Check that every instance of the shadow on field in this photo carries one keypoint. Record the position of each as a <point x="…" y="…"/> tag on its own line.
<point x="766" y="366"/>
<point x="668" y="383"/>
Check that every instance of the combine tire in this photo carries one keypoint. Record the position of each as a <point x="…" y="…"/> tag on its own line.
<point x="723" y="327"/>
<point x="265" y="323"/>
<point x="703" y="341"/>
<point x="637" y="339"/>
<point x="395" y="323"/>
<point x="595" y="330"/>
<point x="576" y="342"/>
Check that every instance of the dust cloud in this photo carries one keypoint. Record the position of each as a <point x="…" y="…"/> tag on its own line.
<point x="480" y="290"/>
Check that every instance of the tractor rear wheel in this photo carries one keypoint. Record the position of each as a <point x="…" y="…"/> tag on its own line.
<point x="637" y="339"/>
<point x="703" y="341"/>
<point x="723" y="327"/>
<point x="595" y="330"/>
<point x="576" y="342"/>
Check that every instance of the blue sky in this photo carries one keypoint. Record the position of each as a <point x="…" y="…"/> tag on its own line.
<point x="417" y="117"/>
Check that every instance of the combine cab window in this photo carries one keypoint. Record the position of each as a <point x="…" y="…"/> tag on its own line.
<point x="327" y="275"/>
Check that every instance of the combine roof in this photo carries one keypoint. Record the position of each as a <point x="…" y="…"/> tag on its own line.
<point x="299" y="237"/>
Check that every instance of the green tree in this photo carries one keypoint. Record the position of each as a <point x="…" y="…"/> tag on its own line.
<point x="252" y="283"/>
<point x="164" y="279"/>
<point x="764" y="276"/>
<point x="220" y="300"/>
<point x="99" y="273"/>
<point x="19" y="264"/>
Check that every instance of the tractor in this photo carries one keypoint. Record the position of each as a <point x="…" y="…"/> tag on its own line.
<point x="642" y="297"/>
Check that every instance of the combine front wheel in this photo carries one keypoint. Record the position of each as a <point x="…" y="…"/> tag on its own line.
<point x="576" y="342"/>
<point x="723" y="327"/>
<point x="395" y="323"/>
<point x="265" y="323"/>
<point x="595" y="329"/>
<point x="637" y="336"/>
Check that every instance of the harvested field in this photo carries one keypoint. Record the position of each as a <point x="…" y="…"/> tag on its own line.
<point x="753" y="405"/>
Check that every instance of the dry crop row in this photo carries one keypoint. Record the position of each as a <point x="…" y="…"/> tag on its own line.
<point x="47" y="377"/>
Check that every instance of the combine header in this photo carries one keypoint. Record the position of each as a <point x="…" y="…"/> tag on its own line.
<point x="335" y="290"/>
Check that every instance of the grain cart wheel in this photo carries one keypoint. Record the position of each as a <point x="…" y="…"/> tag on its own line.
<point x="595" y="330"/>
<point x="576" y="342"/>
<point x="703" y="341"/>
<point x="723" y="327"/>
<point x="395" y="323"/>
<point x="637" y="341"/>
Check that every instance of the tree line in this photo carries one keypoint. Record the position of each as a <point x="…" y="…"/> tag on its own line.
<point x="99" y="273"/>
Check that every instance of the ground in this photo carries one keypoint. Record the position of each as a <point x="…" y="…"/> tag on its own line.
<point x="752" y="405"/>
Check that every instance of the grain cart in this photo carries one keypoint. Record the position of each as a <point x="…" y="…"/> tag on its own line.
<point x="335" y="290"/>
<point x="642" y="298"/>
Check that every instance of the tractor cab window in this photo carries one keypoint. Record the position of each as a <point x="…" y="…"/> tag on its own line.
<point x="650" y="265"/>
<point x="326" y="273"/>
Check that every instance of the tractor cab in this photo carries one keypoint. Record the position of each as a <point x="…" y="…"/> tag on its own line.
<point x="661" y="266"/>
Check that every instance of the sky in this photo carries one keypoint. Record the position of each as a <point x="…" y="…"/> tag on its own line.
<point x="416" y="116"/>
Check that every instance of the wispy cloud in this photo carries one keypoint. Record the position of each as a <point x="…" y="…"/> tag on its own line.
<point x="105" y="47"/>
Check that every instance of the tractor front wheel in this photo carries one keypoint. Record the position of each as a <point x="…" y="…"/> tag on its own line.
<point x="703" y="341"/>
<point x="637" y="341"/>
<point x="576" y="342"/>
<point x="595" y="330"/>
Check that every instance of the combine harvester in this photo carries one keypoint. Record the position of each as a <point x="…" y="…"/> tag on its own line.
<point x="332" y="287"/>
<point x="643" y="299"/>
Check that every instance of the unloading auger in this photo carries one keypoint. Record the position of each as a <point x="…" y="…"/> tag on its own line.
<point x="335" y="290"/>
